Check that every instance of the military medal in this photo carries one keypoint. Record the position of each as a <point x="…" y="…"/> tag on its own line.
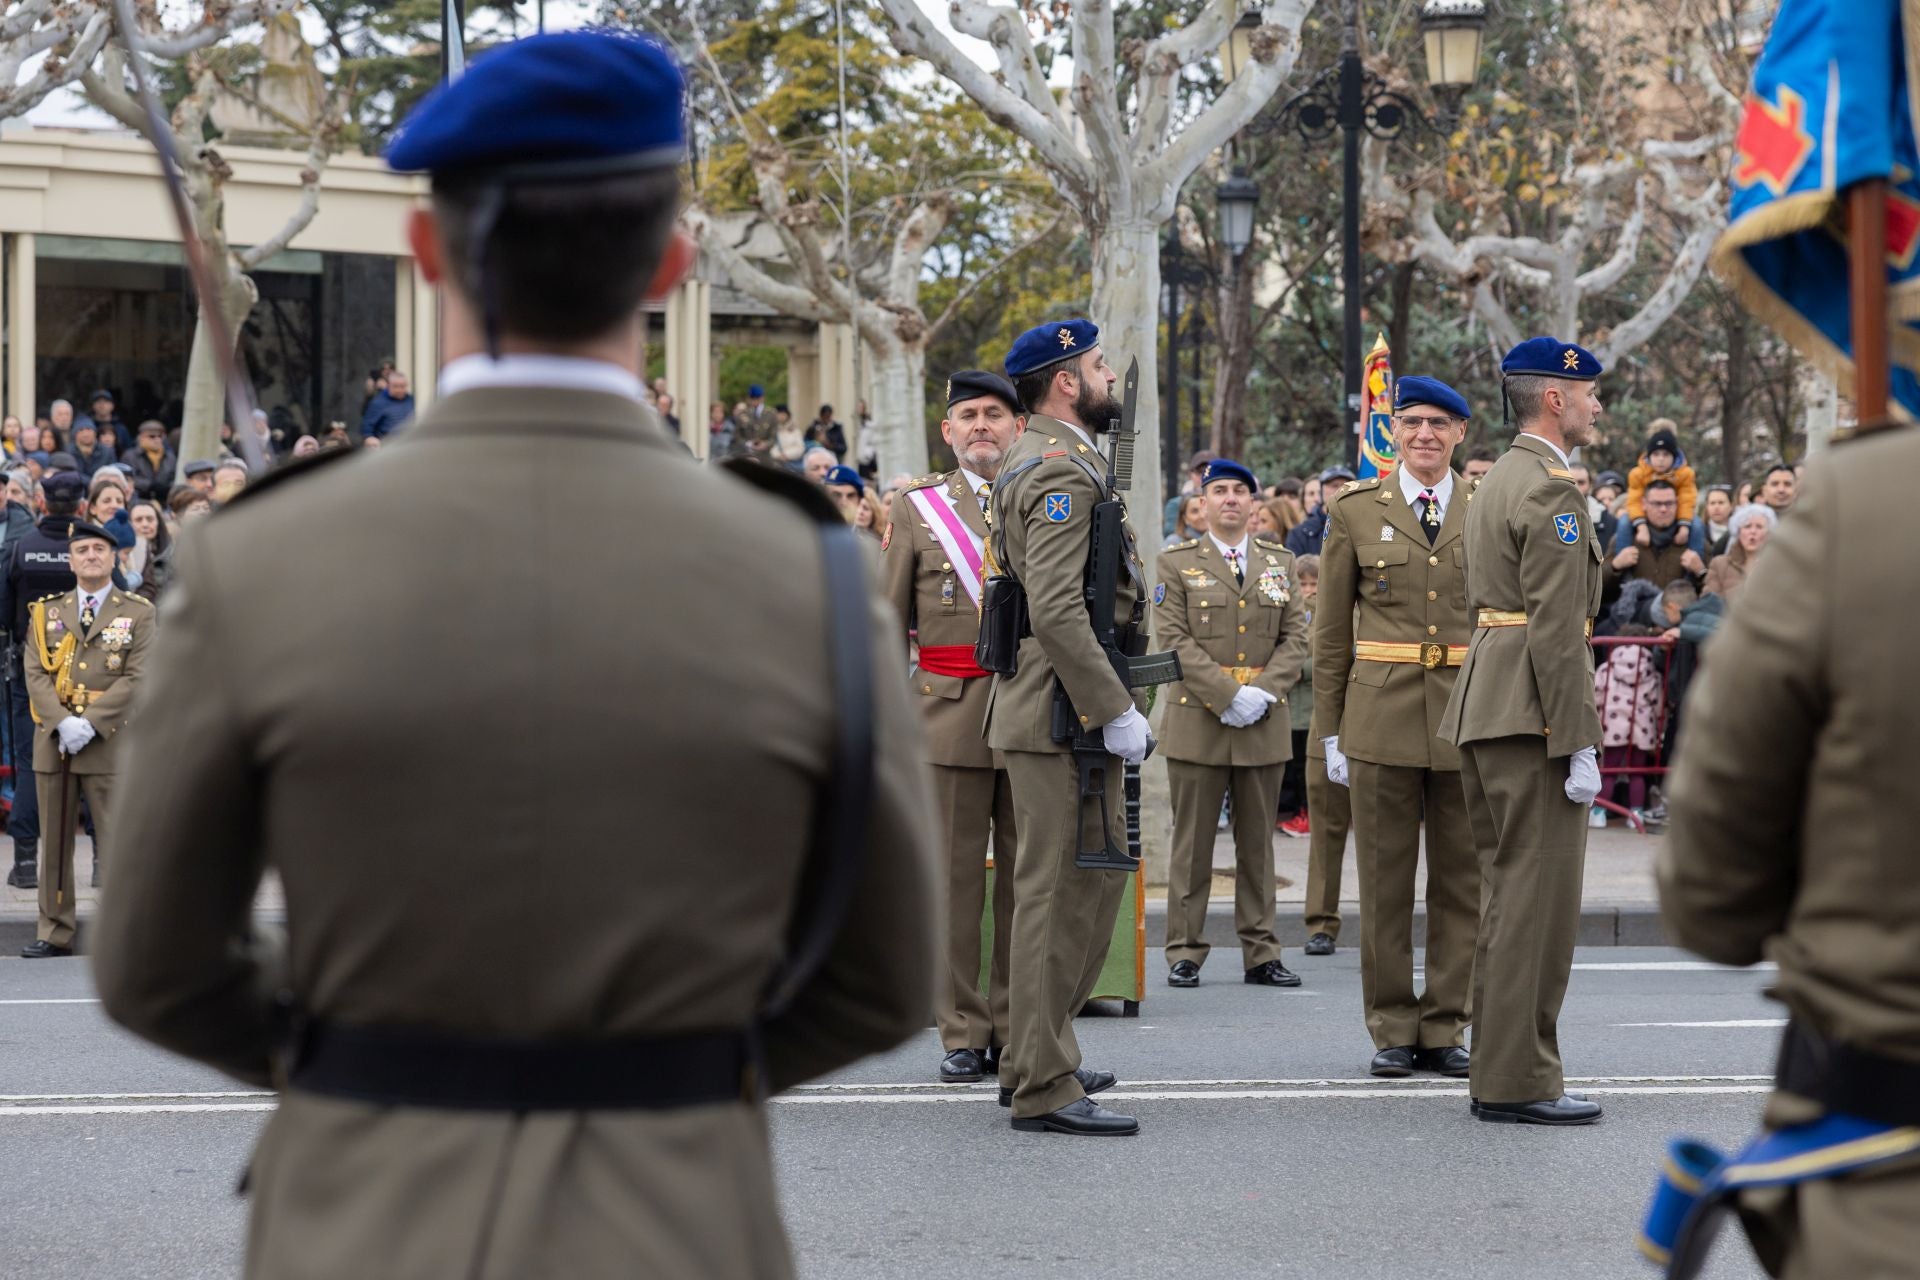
<point x="1273" y="584"/>
<point x="1386" y="533"/>
<point x="946" y="592"/>
<point x="114" y="661"/>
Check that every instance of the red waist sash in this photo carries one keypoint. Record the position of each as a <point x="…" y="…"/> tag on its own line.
<point x="951" y="660"/>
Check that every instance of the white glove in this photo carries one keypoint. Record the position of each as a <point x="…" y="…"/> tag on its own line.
<point x="1127" y="736"/>
<point x="74" y="733"/>
<point x="1583" y="776"/>
<point x="1336" y="761"/>
<point x="1248" y="706"/>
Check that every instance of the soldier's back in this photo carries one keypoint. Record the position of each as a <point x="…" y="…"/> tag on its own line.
<point x="533" y="716"/>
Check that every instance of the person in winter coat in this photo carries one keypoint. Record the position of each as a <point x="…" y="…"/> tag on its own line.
<point x="1662" y="461"/>
<point x="1749" y="528"/>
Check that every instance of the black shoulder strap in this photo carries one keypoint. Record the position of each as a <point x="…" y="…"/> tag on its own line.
<point x="839" y="839"/>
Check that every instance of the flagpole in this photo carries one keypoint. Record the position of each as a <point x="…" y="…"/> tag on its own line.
<point x="1867" y="213"/>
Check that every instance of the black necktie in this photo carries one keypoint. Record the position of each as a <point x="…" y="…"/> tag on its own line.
<point x="86" y="613"/>
<point x="1239" y="575"/>
<point x="1429" y="515"/>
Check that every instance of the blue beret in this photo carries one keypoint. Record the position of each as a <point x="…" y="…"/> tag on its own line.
<point x="1046" y="344"/>
<point x="572" y="104"/>
<point x="1414" y="389"/>
<point x="844" y="474"/>
<point x="1228" y="469"/>
<point x="972" y="384"/>
<point x="1338" y="472"/>
<point x="755" y="391"/>
<point x="1552" y="358"/>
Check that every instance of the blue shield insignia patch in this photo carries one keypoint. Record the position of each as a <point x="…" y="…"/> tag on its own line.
<point x="1160" y="593"/>
<point x="1059" y="507"/>
<point x="1567" y="528"/>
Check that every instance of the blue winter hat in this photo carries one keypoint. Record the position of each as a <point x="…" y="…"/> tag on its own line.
<point x="1414" y="389"/>
<point x="573" y="104"/>
<point x="1046" y="344"/>
<point x="1228" y="469"/>
<point x="1552" y="358"/>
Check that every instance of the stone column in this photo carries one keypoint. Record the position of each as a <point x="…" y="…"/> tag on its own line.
<point x="837" y="386"/>
<point x="803" y="382"/>
<point x="19" y="319"/>
<point x="690" y="367"/>
<point x="426" y="336"/>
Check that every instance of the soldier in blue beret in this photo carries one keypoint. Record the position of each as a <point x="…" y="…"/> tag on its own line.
<point x="500" y="960"/>
<point x="1229" y="604"/>
<point x="1390" y="633"/>
<point x="1523" y="717"/>
<point x="1042" y="510"/>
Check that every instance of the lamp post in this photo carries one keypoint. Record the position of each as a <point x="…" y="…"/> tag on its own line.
<point x="1349" y="98"/>
<point x="1176" y="269"/>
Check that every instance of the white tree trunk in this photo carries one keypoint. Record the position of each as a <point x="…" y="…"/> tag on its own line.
<point x="206" y="395"/>
<point x="899" y="406"/>
<point x="1822" y="399"/>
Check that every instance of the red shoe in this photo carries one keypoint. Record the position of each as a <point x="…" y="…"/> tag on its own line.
<point x="1296" y="825"/>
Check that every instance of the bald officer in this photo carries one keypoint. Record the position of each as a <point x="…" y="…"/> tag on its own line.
<point x="1792" y="840"/>
<point x="931" y="569"/>
<point x="1389" y="638"/>
<point x="1229" y="606"/>
<point x="1042" y="511"/>
<point x="1522" y="715"/>
<point x="497" y="1073"/>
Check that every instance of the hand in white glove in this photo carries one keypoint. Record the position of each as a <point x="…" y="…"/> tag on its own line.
<point x="1583" y="776"/>
<point x="1248" y="706"/>
<point x="1336" y="761"/>
<point x="74" y="733"/>
<point x="1127" y="736"/>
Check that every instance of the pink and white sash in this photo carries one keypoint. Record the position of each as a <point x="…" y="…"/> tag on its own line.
<point x="962" y="545"/>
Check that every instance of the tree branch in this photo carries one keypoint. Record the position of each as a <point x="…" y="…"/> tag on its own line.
<point x="986" y="273"/>
<point x="1005" y="28"/>
<point x="1625" y="250"/>
<point x="922" y="227"/>
<point x="786" y="298"/>
<point x="320" y="146"/>
<point x="914" y="34"/>
<point x="1275" y="48"/>
<point x="1681" y="277"/>
<point x="1094" y="102"/>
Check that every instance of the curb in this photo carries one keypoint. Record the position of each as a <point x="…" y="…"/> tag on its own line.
<point x="1633" y="924"/>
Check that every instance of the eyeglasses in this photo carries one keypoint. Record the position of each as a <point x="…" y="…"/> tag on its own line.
<point x="1438" y="424"/>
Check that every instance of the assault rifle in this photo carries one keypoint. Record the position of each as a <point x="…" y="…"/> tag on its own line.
<point x="1109" y="556"/>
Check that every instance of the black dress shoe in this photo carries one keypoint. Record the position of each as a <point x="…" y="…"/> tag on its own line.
<point x="1085" y="1118"/>
<point x="41" y="949"/>
<point x="25" y="875"/>
<point x="1272" y="974"/>
<point x="963" y="1065"/>
<point x="1091" y="1082"/>
<point x="1320" y="944"/>
<point x="96" y="873"/>
<point x="1393" y="1062"/>
<point x="1449" y="1061"/>
<point x="990" y="1059"/>
<point x="1185" y="973"/>
<point x="1561" y="1110"/>
<point x="1473" y="1104"/>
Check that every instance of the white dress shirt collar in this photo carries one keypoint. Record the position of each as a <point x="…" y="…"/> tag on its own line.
<point x="973" y="481"/>
<point x="1239" y="550"/>
<point x="1558" y="452"/>
<point x="566" y="373"/>
<point x="1411" y="489"/>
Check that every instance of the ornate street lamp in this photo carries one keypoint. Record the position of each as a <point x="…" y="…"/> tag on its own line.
<point x="1455" y="31"/>
<point x="1237" y="53"/>
<point x="1237" y="197"/>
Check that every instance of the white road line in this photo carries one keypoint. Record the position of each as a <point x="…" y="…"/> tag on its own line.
<point x="143" y="1109"/>
<point x="1731" y="1022"/>
<point x="134" y="1097"/>
<point x="1308" y="1082"/>
<point x="1673" y="966"/>
<point x="49" y="1002"/>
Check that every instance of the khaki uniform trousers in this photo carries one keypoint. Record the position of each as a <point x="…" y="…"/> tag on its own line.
<point x="1329" y="817"/>
<point x="1196" y="791"/>
<point x="967" y="803"/>
<point x="1389" y="802"/>
<point x="1533" y="852"/>
<point x="60" y="814"/>
<point x="1062" y="922"/>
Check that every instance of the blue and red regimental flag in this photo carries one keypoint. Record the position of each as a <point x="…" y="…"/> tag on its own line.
<point x="1377" y="457"/>
<point x="1832" y="104"/>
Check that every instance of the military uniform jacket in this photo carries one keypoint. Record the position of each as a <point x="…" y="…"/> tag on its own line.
<point x="1382" y="582"/>
<point x="1530" y="548"/>
<point x="354" y="658"/>
<point x="99" y="668"/>
<point x="1792" y="799"/>
<point x="1223" y="632"/>
<point x="928" y="588"/>
<point x="1043" y="522"/>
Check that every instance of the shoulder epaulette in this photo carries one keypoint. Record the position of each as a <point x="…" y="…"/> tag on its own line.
<point x="1272" y="544"/>
<point x="1558" y="473"/>
<point x="1359" y="486"/>
<point x="1188" y="545"/>
<point x="51" y="595"/>
<point x="291" y="469"/>
<point x="926" y="482"/>
<point x="128" y="597"/>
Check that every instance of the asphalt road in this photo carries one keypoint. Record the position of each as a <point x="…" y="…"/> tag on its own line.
<point x="1266" y="1150"/>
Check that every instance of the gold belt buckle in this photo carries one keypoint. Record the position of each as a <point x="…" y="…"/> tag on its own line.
<point x="1433" y="656"/>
